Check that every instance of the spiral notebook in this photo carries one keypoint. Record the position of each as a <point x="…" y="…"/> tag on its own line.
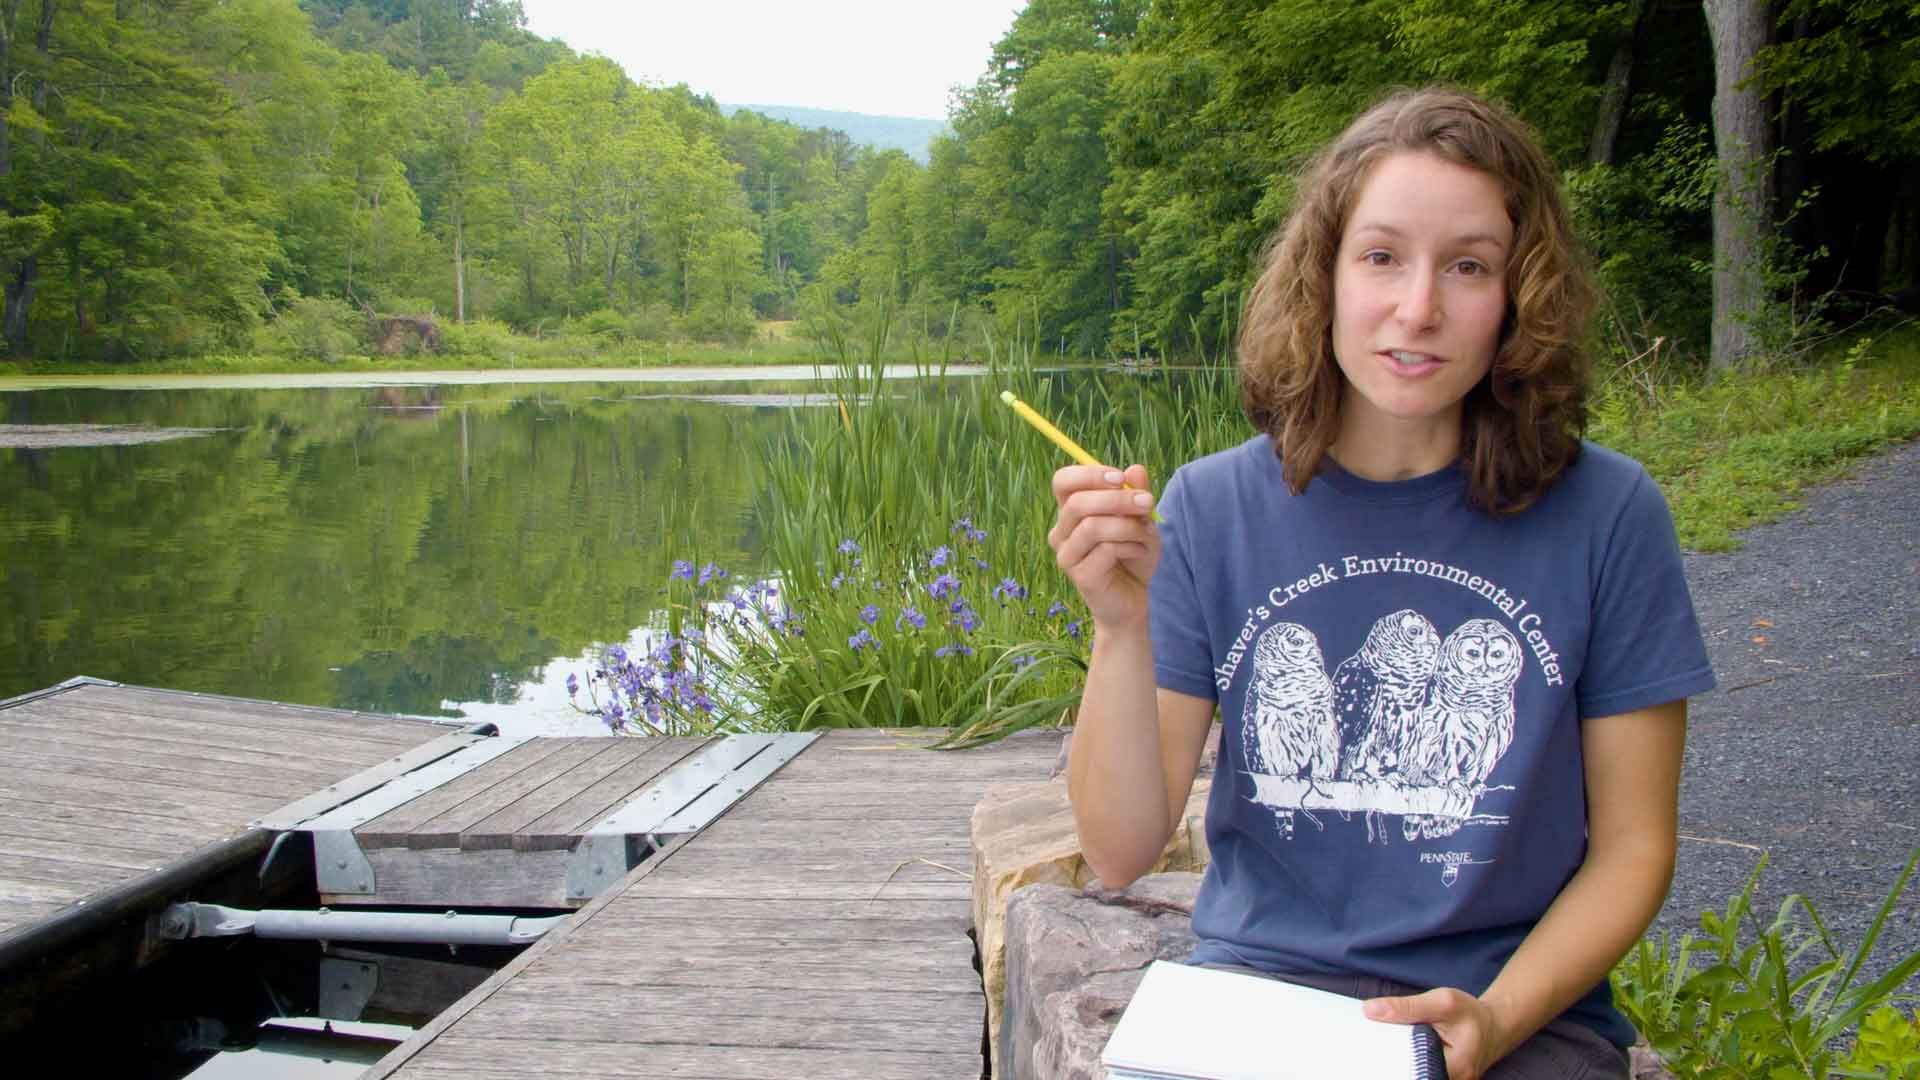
<point x="1193" y="1023"/>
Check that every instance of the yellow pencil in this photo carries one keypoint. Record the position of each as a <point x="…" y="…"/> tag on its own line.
<point x="1073" y="449"/>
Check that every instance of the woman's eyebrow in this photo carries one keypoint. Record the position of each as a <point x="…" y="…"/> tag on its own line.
<point x="1463" y="240"/>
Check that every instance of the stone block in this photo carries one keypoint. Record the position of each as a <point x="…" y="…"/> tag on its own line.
<point x="1023" y="834"/>
<point x="1073" y="958"/>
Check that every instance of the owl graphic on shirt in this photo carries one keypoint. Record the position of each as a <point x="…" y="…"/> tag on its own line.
<point x="1291" y="728"/>
<point x="1378" y="692"/>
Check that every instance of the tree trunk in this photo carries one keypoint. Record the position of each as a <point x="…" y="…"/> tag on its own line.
<point x="1743" y="200"/>
<point x="459" y="265"/>
<point x="1619" y="87"/>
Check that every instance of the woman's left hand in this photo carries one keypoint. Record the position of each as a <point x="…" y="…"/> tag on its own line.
<point x="1467" y="1026"/>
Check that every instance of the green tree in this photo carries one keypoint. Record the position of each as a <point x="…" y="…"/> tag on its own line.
<point x="127" y="228"/>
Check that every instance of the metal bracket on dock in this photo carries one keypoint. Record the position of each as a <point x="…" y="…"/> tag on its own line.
<point x="338" y="863"/>
<point x="346" y="985"/>
<point x="689" y="797"/>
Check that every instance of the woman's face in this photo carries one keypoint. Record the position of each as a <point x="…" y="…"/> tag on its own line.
<point x="1419" y="293"/>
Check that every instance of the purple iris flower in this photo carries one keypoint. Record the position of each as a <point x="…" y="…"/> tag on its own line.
<point x="682" y="570"/>
<point x="911" y="616"/>
<point x="870" y="614"/>
<point x="848" y="547"/>
<point x="939" y="557"/>
<point x="862" y="640"/>
<point x="943" y="586"/>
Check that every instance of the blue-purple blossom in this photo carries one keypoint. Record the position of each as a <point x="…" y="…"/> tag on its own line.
<point x="738" y="599"/>
<point x="976" y="535"/>
<point x="709" y="572"/>
<point x="862" y="640"/>
<point x="1056" y="608"/>
<point x="573" y="685"/>
<point x="848" y="547"/>
<point x="1009" y="589"/>
<point x="912" y="616"/>
<point x="617" y="655"/>
<point x="682" y="571"/>
<point x="949" y="650"/>
<point x="870" y="614"/>
<point x="1073" y="629"/>
<point x="979" y="563"/>
<point x="939" y="557"/>
<point x="943" y="586"/>
<point x="966" y="620"/>
<point x="837" y="579"/>
<point x="1024" y="660"/>
<point x="964" y="524"/>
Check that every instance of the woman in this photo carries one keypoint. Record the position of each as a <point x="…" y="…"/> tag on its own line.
<point x="1450" y="643"/>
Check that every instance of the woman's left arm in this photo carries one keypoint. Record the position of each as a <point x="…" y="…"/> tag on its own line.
<point x="1632" y="763"/>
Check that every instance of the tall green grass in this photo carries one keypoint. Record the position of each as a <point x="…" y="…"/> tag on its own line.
<point x="904" y="529"/>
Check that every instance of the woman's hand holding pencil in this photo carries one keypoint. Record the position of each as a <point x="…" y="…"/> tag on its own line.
<point x="1045" y="427"/>
<point x="1102" y="534"/>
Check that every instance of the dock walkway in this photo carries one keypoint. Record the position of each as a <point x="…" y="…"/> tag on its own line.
<point x="103" y="784"/>
<point x="818" y="929"/>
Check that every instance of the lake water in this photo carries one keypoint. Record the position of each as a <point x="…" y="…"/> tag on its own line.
<point x="449" y="549"/>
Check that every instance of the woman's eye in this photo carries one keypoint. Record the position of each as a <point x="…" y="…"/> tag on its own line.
<point x="1471" y="268"/>
<point x="1377" y="258"/>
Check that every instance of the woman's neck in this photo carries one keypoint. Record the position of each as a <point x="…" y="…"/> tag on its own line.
<point x="1389" y="448"/>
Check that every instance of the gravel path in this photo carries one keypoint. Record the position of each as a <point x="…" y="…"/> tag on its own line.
<point x="1809" y="748"/>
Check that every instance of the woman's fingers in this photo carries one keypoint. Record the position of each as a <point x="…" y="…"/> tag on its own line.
<point x="1080" y="537"/>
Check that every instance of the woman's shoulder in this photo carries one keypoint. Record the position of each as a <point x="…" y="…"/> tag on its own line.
<point x="1604" y="474"/>
<point x="1252" y="456"/>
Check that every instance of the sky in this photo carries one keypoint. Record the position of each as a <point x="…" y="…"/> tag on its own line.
<point x="883" y="57"/>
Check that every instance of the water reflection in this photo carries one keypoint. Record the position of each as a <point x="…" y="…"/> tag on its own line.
<point x="434" y="550"/>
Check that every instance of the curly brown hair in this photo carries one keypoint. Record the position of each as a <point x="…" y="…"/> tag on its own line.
<point x="1521" y="425"/>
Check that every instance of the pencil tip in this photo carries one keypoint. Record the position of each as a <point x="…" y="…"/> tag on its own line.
<point x="1006" y="396"/>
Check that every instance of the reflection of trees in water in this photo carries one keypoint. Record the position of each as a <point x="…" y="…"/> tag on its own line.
<point x="440" y="668"/>
<point x="443" y="557"/>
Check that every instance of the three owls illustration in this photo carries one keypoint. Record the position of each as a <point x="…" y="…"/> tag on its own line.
<point x="1407" y="707"/>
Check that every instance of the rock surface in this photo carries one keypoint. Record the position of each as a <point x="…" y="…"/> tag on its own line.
<point x="1074" y="958"/>
<point x="1023" y="835"/>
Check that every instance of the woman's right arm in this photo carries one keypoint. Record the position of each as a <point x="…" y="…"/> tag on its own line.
<point x="1131" y="740"/>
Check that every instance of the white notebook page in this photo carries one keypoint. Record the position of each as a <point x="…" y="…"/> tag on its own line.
<point x="1221" y="1025"/>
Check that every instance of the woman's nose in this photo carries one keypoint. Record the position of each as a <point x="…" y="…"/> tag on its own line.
<point x="1420" y="302"/>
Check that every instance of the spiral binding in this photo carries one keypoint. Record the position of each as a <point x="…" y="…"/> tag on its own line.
<point x="1429" y="1058"/>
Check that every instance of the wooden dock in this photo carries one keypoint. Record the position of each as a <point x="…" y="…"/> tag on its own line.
<point x="501" y="834"/>
<point x="819" y="929"/>
<point x="806" y="913"/>
<point x="102" y="784"/>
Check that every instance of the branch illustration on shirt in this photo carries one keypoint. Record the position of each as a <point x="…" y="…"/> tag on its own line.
<point x="1410" y="724"/>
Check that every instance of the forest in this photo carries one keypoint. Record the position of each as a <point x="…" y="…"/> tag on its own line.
<point x="184" y="178"/>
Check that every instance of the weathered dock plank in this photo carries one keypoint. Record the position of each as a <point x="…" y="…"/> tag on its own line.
<point x="104" y="784"/>
<point x="818" y="929"/>
<point x="500" y="834"/>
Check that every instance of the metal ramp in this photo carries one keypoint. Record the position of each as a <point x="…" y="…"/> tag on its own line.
<point x="524" y="822"/>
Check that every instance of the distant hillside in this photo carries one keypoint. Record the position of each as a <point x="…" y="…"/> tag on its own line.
<point x="907" y="133"/>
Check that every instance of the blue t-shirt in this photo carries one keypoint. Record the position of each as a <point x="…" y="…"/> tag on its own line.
<point x="1401" y="681"/>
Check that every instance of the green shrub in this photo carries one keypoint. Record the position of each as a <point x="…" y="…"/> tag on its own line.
<point x="318" y="328"/>
<point x="488" y="339"/>
<point x="1774" y="1001"/>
